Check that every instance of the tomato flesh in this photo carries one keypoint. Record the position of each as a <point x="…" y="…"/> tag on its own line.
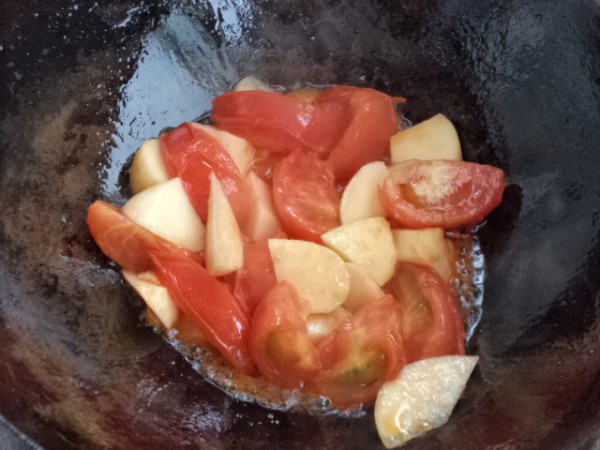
<point x="431" y="322"/>
<point x="124" y="241"/>
<point x="373" y="121"/>
<point x="362" y="354"/>
<point x="256" y="278"/>
<point x="305" y="196"/>
<point x="192" y="154"/>
<point x="441" y="193"/>
<point x="279" y="123"/>
<point x="279" y="342"/>
<point x="215" y="310"/>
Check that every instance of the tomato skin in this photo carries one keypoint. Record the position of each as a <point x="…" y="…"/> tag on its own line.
<point x="373" y="121"/>
<point x="412" y="198"/>
<point x="279" y="342"/>
<point x="210" y="304"/>
<point x="277" y="122"/>
<point x="431" y="321"/>
<point x="362" y="354"/>
<point x="305" y="196"/>
<point x="191" y="153"/>
<point x="256" y="278"/>
<point x="124" y="241"/>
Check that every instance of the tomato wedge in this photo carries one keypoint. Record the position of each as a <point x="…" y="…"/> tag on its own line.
<point x="205" y="299"/>
<point x="441" y="193"/>
<point x="279" y="123"/>
<point x="373" y="121"/>
<point x="305" y="197"/>
<point x="256" y="278"/>
<point x="279" y="342"/>
<point x="124" y="241"/>
<point x="431" y="322"/>
<point x="192" y="154"/>
<point x="362" y="355"/>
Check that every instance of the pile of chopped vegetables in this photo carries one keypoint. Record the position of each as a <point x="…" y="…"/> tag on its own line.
<point x="302" y="236"/>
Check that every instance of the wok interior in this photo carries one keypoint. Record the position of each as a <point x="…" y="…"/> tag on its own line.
<point x="83" y="84"/>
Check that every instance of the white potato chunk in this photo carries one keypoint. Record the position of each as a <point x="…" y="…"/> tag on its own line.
<point x="360" y="199"/>
<point x="155" y="296"/>
<point x="435" y="138"/>
<point x="427" y="246"/>
<point x="368" y="242"/>
<point x="422" y="398"/>
<point x="251" y="84"/>
<point x="262" y="221"/>
<point x="318" y="273"/>
<point x="241" y="151"/>
<point x="224" y="244"/>
<point x="363" y="288"/>
<point x="165" y="209"/>
<point x="148" y="167"/>
<point x="319" y="326"/>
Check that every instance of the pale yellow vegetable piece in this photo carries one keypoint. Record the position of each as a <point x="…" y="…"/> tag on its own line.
<point x="427" y="246"/>
<point x="262" y="221"/>
<point x="360" y="199"/>
<point x="319" y="326"/>
<point x="165" y="209"/>
<point x="422" y="398"/>
<point x="251" y="84"/>
<point x="224" y="244"/>
<point x="155" y="296"/>
<point x="241" y="151"/>
<point x="435" y="138"/>
<point x="368" y="242"/>
<point x="318" y="273"/>
<point x="363" y="288"/>
<point x="148" y="167"/>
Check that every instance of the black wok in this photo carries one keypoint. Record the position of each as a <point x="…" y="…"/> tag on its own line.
<point x="82" y="83"/>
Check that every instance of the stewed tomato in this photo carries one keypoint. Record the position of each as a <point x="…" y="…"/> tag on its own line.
<point x="441" y="193"/>
<point x="279" y="342"/>
<point x="279" y="123"/>
<point x="372" y="122"/>
<point x="209" y="303"/>
<point x="431" y="322"/>
<point x="192" y="154"/>
<point x="253" y="281"/>
<point x="305" y="196"/>
<point x="362" y="354"/>
<point x="124" y="241"/>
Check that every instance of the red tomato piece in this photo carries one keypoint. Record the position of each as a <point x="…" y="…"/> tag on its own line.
<point x="124" y="241"/>
<point x="210" y="304"/>
<point x="264" y="163"/>
<point x="279" y="123"/>
<point x="362" y="355"/>
<point x="256" y="278"/>
<point x="305" y="196"/>
<point x="337" y="95"/>
<point x="279" y="342"/>
<point x="431" y="322"/>
<point x="192" y="154"/>
<point x="373" y="121"/>
<point x="447" y="194"/>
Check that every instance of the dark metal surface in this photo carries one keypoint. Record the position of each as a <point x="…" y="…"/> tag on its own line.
<point x="82" y="83"/>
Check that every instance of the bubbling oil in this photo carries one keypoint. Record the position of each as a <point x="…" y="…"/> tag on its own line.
<point x="468" y="288"/>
